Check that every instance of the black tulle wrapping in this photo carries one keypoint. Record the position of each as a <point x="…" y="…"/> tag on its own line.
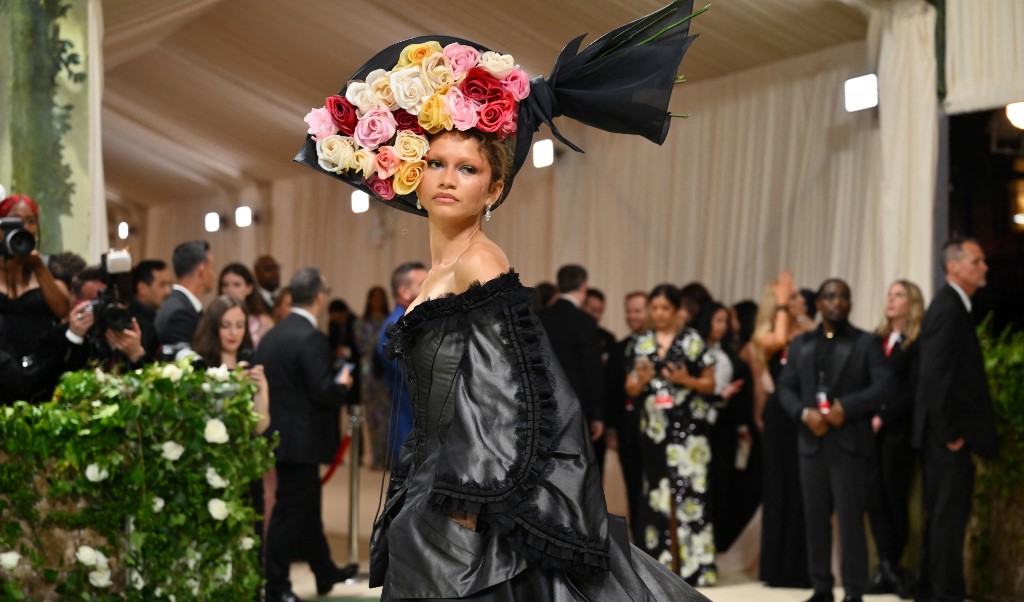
<point x="621" y="83"/>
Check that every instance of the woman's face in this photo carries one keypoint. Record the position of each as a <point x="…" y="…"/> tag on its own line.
<point x="897" y="302"/>
<point x="797" y="304"/>
<point x="377" y="300"/>
<point x="457" y="180"/>
<point x="719" y="325"/>
<point x="232" y="329"/>
<point x="663" y="314"/>
<point x="233" y="285"/>
<point x="28" y="219"/>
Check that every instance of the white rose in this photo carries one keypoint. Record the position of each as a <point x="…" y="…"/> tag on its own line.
<point x="361" y="96"/>
<point x="215" y="431"/>
<point x="158" y="503"/>
<point x="409" y="89"/>
<point x="172" y="450"/>
<point x="171" y="372"/>
<point x="100" y="578"/>
<point x="437" y="72"/>
<point x="94" y="473"/>
<point x="218" y="509"/>
<point x="247" y="543"/>
<point x="96" y="403"/>
<point x="215" y="480"/>
<point x="135" y="578"/>
<point x="86" y="555"/>
<point x="498" y="65"/>
<point x="334" y="153"/>
<point x="9" y="560"/>
<point x="222" y="373"/>
<point x="379" y="81"/>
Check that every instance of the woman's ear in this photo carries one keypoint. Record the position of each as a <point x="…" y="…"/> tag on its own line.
<point x="496" y="189"/>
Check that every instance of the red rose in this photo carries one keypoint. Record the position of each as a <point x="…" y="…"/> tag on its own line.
<point x="495" y="115"/>
<point x="409" y="122"/>
<point x="480" y="86"/>
<point x="343" y="114"/>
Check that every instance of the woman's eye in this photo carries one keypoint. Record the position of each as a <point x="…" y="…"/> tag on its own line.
<point x="433" y="163"/>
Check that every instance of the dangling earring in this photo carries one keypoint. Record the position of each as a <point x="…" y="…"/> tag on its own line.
<point x="487" y="214"/>
<point x="418" y="206"/>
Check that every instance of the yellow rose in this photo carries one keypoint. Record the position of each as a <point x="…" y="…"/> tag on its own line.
<point x="408" y="176"/>
<point x="410" y="147"/>
<point x="363" y="161"/>
<point x="413" y="53"/>
<point x="437" y="72"/>
<point x="434" y="115"/>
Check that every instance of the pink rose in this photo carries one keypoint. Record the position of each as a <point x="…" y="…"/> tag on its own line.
<point x="493" y="115"/>
<point x="464" y="111"/>
<point x="376" y="127"/>
<point x="387" y="162"/>
<point x="461" y="57"/>
<point x="509" y="127"/>
<point x="320" y="123"/>
<point x="517" y="84"/>
<point x="382" y="189"/>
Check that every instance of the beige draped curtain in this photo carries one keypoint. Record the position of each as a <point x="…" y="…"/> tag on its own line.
<point x="984" y="54"/>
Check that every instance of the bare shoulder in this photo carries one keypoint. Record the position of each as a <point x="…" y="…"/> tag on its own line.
<point x="482" y="261"/>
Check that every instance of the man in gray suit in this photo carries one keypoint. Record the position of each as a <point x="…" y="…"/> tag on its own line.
<point x="833" y="383"/>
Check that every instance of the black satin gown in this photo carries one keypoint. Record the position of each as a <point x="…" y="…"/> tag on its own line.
<point x="498" y="433"/>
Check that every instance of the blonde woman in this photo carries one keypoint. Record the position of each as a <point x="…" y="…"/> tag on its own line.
<point x="891" y="475"/>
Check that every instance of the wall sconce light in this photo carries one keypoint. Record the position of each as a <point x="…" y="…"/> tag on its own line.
<point x="360" y="201"/>
<point x="861" y="93"/>
<point x="243" y="217"/>
<point x="122" y="230"/>
<point x="543" y="153"/>
<point x="212" y="222"/>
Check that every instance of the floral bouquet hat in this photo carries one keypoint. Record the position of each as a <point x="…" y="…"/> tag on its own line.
<point x="373" y="134"/>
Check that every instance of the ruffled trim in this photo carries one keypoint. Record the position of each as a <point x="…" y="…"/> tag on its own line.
<point x="508" y="505"/>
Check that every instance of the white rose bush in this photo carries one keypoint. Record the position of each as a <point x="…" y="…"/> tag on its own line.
<point x="125" y="475"/>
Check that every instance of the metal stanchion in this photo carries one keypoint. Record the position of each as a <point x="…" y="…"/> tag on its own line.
<point x="355" y="419"/>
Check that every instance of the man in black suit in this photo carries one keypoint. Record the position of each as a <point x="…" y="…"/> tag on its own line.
<point x="306" y="399"/>
<point x="833" y="383"/>
<point x="178" y="317"/>
<point x="952" y="417"/>
<point x="574" y="339"/>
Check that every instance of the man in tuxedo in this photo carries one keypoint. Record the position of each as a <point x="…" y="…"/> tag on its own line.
<point x="833" y="383"/>
<point x="952" y="417"/>
<point x="574" y="339"/>
<point x="151" y="285"/>
<point x="178" y="316"/>
<point x="268" y="277"/>
<point x="305" y="412"/>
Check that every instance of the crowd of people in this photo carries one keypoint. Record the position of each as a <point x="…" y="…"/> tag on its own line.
<point x="713" y="409"/>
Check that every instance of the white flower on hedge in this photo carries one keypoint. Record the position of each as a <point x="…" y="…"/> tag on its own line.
<point x="158" y="503"/>
<point x="100" y="578"/>
<point x="94" y="473"/>
<point x="87" y="555"/>
<point x="215" y="480"/>
<point x="247" y="543"/>
<point x="96" y="403"/>
<point x="218" y="509"/>
<point x="9" y="560"/>
<point x="224" y="571"/>
<point x="135" y="578"/>
<point x="222" y="373"/>
<point x="172" y="372"/>
<point x="171" y="450"/>
<point x="215" y="431"/>
<point x="193" y="584"/>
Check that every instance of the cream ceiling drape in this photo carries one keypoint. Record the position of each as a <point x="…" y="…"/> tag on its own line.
<point x="97" y="189"/>
<point x="984" y="54"/>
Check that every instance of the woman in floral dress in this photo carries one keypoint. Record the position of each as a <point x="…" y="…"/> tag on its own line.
<point x="672" y="372"/>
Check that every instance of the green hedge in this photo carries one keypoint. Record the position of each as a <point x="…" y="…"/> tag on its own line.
<point x="132" y="487"/>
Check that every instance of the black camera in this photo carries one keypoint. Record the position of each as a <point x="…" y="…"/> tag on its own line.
<point x="109" y="306"/>
<point x="17" y="241"/>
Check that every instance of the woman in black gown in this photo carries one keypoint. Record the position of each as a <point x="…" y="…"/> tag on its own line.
<point x="495" y="495"/>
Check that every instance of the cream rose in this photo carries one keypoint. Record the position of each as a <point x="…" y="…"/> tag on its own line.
<point x="215" y="480"/>
<point x="437" y="72"/>
<point x="410" y="89"/>
<point x="158" y="504"/>
<point x="334" y="153"/>
<point x="361" y="97"/>
<point x="172" y="372"/>
<point x="379" y="81"/>
<point x="408" y="176"/>
<point x="100" y="578"/>
<point x="94" y="473"/>
<point x="171" y="450"/>
<point x="247" y="543"/>
<point x="410" y="147"/>
<point x="135" y="578"/>
<point x="498" y="65"/>
<point x="364" y="161"/>
<point x="9" y="560"/>
<point x="220" y="374"/>
<point x="215" y="431"/>
<point x="87" y="555"/>
<point x="217" y="508"/>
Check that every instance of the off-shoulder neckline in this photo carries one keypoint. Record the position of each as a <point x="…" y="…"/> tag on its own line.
<point x="476" y="292"/>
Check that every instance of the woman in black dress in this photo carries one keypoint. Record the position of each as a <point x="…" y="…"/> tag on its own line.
<point x="496" y="494"/>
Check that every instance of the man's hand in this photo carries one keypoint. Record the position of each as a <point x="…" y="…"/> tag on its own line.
<point x="345" y="378"/>
<point x="876" y="424"/>
<point x="79" y="320"/>
<point x="955" y="446"/>
<point x="732" y="389"/>
<point x="611" y="440"/>
<point x="836" y="418"/>
<point x="127" y="341"/>
<point x="816" y="421"/>
<point x="596" y="429"/>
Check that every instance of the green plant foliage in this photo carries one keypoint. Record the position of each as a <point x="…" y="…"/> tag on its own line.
<point x="132" y="487"/>
<point x="999" y="527"/>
